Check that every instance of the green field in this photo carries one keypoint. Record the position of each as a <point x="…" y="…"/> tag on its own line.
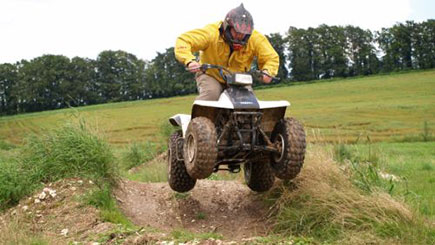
<point x="386" y="121"/>
<point x="385" y="108"/>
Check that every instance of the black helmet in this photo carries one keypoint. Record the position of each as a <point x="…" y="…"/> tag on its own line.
<point x="241" y="20"/>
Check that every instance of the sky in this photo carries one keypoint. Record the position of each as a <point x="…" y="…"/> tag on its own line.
<point x="84" y="28"/>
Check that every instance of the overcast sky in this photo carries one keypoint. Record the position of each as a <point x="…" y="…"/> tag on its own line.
<point x="84" y="28"/>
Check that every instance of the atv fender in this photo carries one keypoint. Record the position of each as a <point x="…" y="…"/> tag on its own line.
<point x="181" y="120"/>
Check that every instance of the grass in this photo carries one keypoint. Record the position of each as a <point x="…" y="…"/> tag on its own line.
<point x="17" y="233"/>
<point x="323" y="204"/>
<point x="386" y="107"/>
<point x="138" y="153"/>
<point x="414" y="165"/>
<point x="103" y="199"/>
<point x="180" y="235"/>
<point x="70" y="151"/>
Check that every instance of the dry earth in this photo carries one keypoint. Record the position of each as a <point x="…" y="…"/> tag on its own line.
<point x="225" y="207"/>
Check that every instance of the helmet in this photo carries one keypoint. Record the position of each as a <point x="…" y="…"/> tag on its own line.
<point x="241" y="20"/>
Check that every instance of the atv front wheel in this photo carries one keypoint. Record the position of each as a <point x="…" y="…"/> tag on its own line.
<point x="178" y="178"/>
<point x="200" y="149"/>
<point x="289" y="137"/>
<point x="258" y="174"/>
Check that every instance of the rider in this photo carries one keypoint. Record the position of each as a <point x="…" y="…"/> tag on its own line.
<point x="232" y="43"/>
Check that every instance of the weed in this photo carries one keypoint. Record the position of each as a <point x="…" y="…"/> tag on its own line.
<point x="201" y="216"/>
<point x="181" y="196"/>
<point x="102" y="199"/>
<point x="181" y="235"/>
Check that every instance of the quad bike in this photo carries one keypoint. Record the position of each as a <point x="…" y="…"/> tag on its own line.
<point x="236" y="130"/>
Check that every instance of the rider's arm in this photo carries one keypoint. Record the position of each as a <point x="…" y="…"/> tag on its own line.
<point x="191" y="41"/>
<point x="267" y="57"/>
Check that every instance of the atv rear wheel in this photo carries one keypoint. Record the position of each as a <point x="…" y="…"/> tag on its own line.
<point x="289" y="137"/>
<point x="178" y="178"/>
<point x="259" y="175"/>
<point x="200" y="149"/>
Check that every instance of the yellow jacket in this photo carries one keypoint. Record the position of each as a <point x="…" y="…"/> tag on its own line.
<point x="214" y="50"/>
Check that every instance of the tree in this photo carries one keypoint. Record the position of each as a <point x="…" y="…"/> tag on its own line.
<point x="279" y="44"/>
<point x="118" y="75"/>
<point x="8" y="80"/>
<point x="423" y="45"/>
<point x="43" y="83"/>
<point x="83" y="88"/>
<point x="303" y="54"/>
<point x="166" y="77"/>
<point x="361" y="52"/>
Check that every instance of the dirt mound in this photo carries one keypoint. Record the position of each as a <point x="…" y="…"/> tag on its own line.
<point x="55" y="214"/>
<point x="225" y="207"/>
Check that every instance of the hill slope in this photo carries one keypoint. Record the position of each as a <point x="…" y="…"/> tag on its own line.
<point x="380" y="106"/>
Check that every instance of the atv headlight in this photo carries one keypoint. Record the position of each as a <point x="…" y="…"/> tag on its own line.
<point x="243" y="79"/>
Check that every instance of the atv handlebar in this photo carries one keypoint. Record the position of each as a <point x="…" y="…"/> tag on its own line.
<point x="222" y="70"/>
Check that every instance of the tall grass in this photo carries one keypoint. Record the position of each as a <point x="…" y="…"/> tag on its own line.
<point x="363" y="167"/>
<point x="70" y="151"/>
<point x="324" y="204"/>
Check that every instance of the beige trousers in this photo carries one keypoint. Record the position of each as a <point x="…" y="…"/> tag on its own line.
<point x="208" y="87"/>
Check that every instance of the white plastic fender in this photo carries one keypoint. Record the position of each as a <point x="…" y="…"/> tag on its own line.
<point x="181" y="120"/>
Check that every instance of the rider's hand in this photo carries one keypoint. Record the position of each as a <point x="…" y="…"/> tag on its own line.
<point x="266" y="78"/>
<point x="193" y="66"/>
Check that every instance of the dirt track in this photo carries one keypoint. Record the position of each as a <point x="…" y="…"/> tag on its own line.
<point x="225" y="207"/>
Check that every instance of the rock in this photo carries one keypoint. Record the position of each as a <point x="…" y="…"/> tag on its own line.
<point x="64" y="232"/>
<point x="37" y="201"/>
<point x="25" y="207"/>
<point x="42" y="196"/>
<point x="52" y="193"/>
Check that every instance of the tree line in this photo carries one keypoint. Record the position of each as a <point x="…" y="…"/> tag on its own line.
<point x="55" y="81"/>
